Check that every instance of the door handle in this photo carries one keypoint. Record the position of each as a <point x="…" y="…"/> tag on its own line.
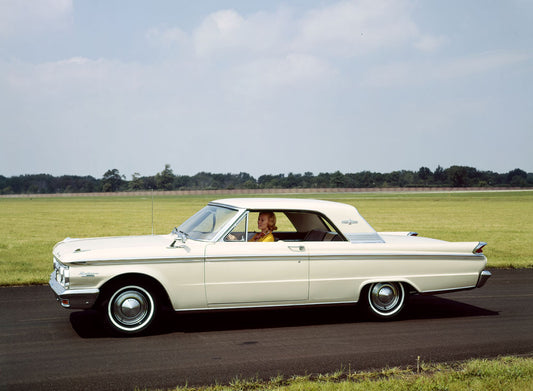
<point x="297" y="248"/>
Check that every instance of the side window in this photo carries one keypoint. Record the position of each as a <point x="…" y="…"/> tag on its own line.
<point x="312" y="227"/>
<point x="290" y="226"/>
<point x="283" y="224"/>
<point x="237" y="234"/>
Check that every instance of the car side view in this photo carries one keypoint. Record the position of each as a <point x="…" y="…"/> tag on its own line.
<point x="320" y="252"/>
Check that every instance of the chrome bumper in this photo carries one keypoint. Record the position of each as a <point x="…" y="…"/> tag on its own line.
<point x="73" y="298"/>
<point x="483" y="277"/>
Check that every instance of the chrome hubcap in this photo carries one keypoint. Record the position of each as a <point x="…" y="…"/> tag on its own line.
<point x="385" y="296"/>
<point x="130" y="307"/>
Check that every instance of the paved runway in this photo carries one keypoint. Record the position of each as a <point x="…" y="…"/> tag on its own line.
<point x="45" y="347"/>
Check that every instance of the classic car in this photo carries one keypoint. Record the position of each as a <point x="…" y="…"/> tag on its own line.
<point x="323" y="252"/>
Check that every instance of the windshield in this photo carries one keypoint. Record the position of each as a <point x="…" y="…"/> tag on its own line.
<point x="206" y="223"/>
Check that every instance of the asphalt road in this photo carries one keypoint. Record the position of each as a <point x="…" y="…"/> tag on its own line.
<point x="45" y="347"/>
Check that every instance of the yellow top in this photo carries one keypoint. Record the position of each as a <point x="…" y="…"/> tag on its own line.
<point x="260" y="237"/>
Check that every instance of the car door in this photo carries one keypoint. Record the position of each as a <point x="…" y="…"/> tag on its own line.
<point x="335" y="271"/>
<point x="256" y="273"/>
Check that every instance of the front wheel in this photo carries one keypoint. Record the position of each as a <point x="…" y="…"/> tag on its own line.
<point x="130" y="309"/>
<point x="386" y="299"/>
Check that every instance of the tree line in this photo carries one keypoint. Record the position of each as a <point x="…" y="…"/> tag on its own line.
<point x="112" y="181"/>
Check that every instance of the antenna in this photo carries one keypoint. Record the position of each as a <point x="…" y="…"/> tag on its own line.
<point x="152" y="211"/>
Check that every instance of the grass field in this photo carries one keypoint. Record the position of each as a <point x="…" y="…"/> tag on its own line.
<point x="505" y="373"/>
<point x="29" y="228"/>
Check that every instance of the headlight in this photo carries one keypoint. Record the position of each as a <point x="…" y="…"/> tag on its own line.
<point x="62" y="273"/>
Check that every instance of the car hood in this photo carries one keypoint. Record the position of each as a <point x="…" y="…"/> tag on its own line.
<point x="113" y="248"/>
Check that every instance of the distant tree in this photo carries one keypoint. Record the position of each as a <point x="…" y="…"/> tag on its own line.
<point x="292" y="181"/>
<point x="393" y="179"/>
<point x="164" y="180"/>
<point x="323" y="180"/>
<point x="148" y="182"/>
<point x="112" y="180"/>
<point x="203" y="180"/>
<point x="462" y="176"/>
<point x="425" y="175"/>
<point x="4" y="185"/>
<point x="337" y="179"/>
<point x="439" y="176"/>
<point x="529" y="180"/>
<point x="271" y="181"/>
<point x="222" y="181"/>
<point x="517" y="177"/>
<point x="246" y="181"/>
<point x="308" y="180"/>
<point x="362" y="179"/>
<point x="488" y="178"/>
<point x="249" y="184"/>
<point x="181" y="182"/>
<point x="136" y="182"/>
<point x="458" y="176"/>
<point x="401" y="178"/>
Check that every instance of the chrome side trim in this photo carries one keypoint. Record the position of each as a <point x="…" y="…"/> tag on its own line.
<point x="259" y="306"/>
<point x="449" y="290"/>
<point x="483" y="277"/>
<point x="393" y="257"/>
<point x="77" y="298"/>
<point x="371" y="237"/>
<point x="124" y="261"/>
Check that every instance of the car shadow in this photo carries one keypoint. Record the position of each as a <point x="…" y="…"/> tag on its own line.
<point x="436" y="307"/>
<point x="90" y="324"/>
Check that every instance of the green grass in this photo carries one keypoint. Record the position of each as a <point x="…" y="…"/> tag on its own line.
<point x="506" y="373"/>
<point x="29" y="228"/>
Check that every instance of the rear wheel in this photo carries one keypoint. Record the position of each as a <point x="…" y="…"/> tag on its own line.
<point x="386" y="299"/>
<point x="131" y="308"/>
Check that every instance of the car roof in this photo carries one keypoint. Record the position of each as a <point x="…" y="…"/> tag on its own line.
<point x="282" y="203"/>
<point x="345" y="217"/>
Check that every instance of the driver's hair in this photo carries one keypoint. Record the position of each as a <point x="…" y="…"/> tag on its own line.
<point x="271" y="220"/>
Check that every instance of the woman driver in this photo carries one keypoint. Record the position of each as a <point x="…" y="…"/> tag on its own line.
<point x="266" y="223"/>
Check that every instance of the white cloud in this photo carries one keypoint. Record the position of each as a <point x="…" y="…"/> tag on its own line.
<point x="421" y="72"/>
<point x="258" y="53"/>
<point x="343" y="29"/>
<point x="21" y="17"/>
<point x="263" y="77"/>
<point x="478" y="63"/>
<point x="219" y="32"/>
<point x="430" y="43"/>
<point x="351" y="28"/>
<point x="167" y="37"/>
<point x="226" y="32"/>
<point x="78" y="76"/>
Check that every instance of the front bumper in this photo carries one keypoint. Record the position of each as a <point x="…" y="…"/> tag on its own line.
<point x="73" y="298"/>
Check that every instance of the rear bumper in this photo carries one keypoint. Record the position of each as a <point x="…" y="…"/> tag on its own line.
<point x="73" y="298"/>
<point x="483" y="277"/>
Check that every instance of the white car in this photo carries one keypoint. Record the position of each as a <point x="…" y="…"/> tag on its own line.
<point x="322" y="253"/>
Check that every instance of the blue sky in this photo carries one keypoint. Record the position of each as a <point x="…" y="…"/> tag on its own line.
<point x="264" y="87"/>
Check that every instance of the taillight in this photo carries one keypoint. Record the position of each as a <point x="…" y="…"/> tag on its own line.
<point x="479" y="248"/>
